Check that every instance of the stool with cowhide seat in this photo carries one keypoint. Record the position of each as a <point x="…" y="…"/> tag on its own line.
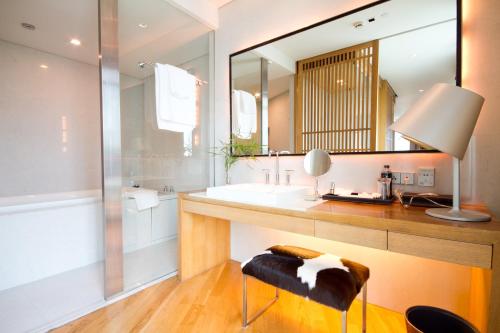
<point x="324" y="278"/>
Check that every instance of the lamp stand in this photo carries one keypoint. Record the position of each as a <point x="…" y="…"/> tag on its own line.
<point x="455" y="213"/>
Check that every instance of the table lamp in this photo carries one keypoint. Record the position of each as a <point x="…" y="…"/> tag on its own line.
<point x="444" y="118"/>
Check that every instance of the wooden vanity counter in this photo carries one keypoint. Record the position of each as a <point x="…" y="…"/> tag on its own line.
<point x="385" y="217"/>
<point x="204" y="237"/>
<point x="407" y="220"/>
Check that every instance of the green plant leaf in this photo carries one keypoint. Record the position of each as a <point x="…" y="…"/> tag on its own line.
<point x="233" y="150"/>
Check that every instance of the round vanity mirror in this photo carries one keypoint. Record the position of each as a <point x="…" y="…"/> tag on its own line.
<point x="316" y="163"/>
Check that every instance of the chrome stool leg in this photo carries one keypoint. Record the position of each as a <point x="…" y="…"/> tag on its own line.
<point x="364" y="307"/>
<point x="344" y="321"/>
<point x="245" y="321"/>
<point x="244" y="312"/>
<point x="344" y="313"/>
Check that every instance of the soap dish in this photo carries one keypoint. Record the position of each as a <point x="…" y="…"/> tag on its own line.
<point x="355" y="198"/>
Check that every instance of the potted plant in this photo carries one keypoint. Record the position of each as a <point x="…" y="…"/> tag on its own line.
<point x="233" y="150"/>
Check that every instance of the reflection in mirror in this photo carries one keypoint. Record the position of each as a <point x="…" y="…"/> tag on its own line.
<point x="339" y="85"/>
<point x="317" y="162"/>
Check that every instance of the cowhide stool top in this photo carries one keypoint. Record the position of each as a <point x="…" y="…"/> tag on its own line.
<point x="324" y="278"/>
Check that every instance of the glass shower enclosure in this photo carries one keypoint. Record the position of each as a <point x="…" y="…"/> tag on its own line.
<point x="154" y="163"/>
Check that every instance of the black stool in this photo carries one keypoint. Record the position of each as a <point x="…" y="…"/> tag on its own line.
<point x="324" y="278"/>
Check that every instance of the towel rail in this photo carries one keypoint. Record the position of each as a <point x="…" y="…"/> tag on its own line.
<point x="143" y="64"/>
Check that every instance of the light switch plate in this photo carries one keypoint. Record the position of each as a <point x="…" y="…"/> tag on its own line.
<point x="407" y="178"/>
<point x="396" y="177"/>
<point x="426" y="177"/>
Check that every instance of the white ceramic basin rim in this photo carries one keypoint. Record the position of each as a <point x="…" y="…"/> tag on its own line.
<point x="258" y="193"/>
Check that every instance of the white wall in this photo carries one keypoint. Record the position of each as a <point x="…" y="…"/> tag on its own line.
<point x="33" y="104"/>
<point x="357" y="172"/>
<point x="242" y="24"/>
<point x="481" y="73"/>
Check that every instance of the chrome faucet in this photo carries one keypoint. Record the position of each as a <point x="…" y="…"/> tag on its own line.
<point x="277" y="164"/>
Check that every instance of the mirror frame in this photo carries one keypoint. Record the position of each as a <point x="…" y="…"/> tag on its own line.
<point x="458" y="76"/>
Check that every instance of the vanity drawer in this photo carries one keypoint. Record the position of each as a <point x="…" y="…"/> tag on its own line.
<point x="468" y="254"/>
<point x="268" y="220"/>
<point x="350" y="234"/>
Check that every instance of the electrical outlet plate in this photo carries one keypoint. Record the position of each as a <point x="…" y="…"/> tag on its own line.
<point x="407" y="178"/>
<point x="426" y="177"/>
<point x="396" y="178"/>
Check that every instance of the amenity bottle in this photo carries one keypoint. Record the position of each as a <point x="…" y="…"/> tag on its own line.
<point x="387" y="173"/>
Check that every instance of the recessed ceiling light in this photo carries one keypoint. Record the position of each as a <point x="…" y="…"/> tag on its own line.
<point x="28" y="26"/>
<point x="420" y="90"/>
<point x="414" y="55"/>
<point x="257" y="95"/>
<point x="75" y="42"/>
<point x="43" y="66"/>
<point x="142" y="25"/>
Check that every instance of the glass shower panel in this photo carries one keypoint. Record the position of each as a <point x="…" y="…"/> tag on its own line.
<point x="51" y="232"/>
<point x="158" y="163"/>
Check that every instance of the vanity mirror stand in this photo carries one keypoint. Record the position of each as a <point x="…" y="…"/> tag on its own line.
<point x="317" y="162"/>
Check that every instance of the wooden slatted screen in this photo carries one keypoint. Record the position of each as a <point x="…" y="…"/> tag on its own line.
<point x="336" y="100"/>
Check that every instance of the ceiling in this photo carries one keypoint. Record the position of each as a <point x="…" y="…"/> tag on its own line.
<point x="416" y="60"/>
<point x="168" y="30"/>
<point x="391" y="17"/>
<point x="248" y="65"/>
<point x="56" y="21"/>
<point x="411" y="57"/>
<point x="246" y="75"/>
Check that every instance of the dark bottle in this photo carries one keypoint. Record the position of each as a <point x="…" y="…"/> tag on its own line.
<point x="387" y="173"/>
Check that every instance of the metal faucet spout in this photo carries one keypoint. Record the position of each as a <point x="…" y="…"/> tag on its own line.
<point x="277" y="164"/>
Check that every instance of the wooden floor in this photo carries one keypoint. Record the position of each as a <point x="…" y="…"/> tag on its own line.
<point x="211" y="302"/>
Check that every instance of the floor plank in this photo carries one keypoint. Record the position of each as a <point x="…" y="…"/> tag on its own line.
<point x="211" y="302"/>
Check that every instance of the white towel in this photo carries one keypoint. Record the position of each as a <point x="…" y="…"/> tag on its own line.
<point x="144" y="199"/>
<point x="175" y="91"/>
<point x="244" y="114"/>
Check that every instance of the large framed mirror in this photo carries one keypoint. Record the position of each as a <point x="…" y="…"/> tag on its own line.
<point x="339" y="84"/>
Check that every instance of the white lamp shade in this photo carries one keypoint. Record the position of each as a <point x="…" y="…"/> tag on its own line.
<point x="444" y="118"/>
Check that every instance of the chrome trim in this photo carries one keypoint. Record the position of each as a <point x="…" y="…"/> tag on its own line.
<point x="365" y="287"/>
<point x="244" y="318"/>
<point x="264" y="104"/>
<point x="111" y="146"/>
<point x="244" y="310"/>
<point x="344" y="321"/>
<point x="142" y="64"/>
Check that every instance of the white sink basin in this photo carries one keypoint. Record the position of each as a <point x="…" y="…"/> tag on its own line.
<point x="260" y="194"/>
